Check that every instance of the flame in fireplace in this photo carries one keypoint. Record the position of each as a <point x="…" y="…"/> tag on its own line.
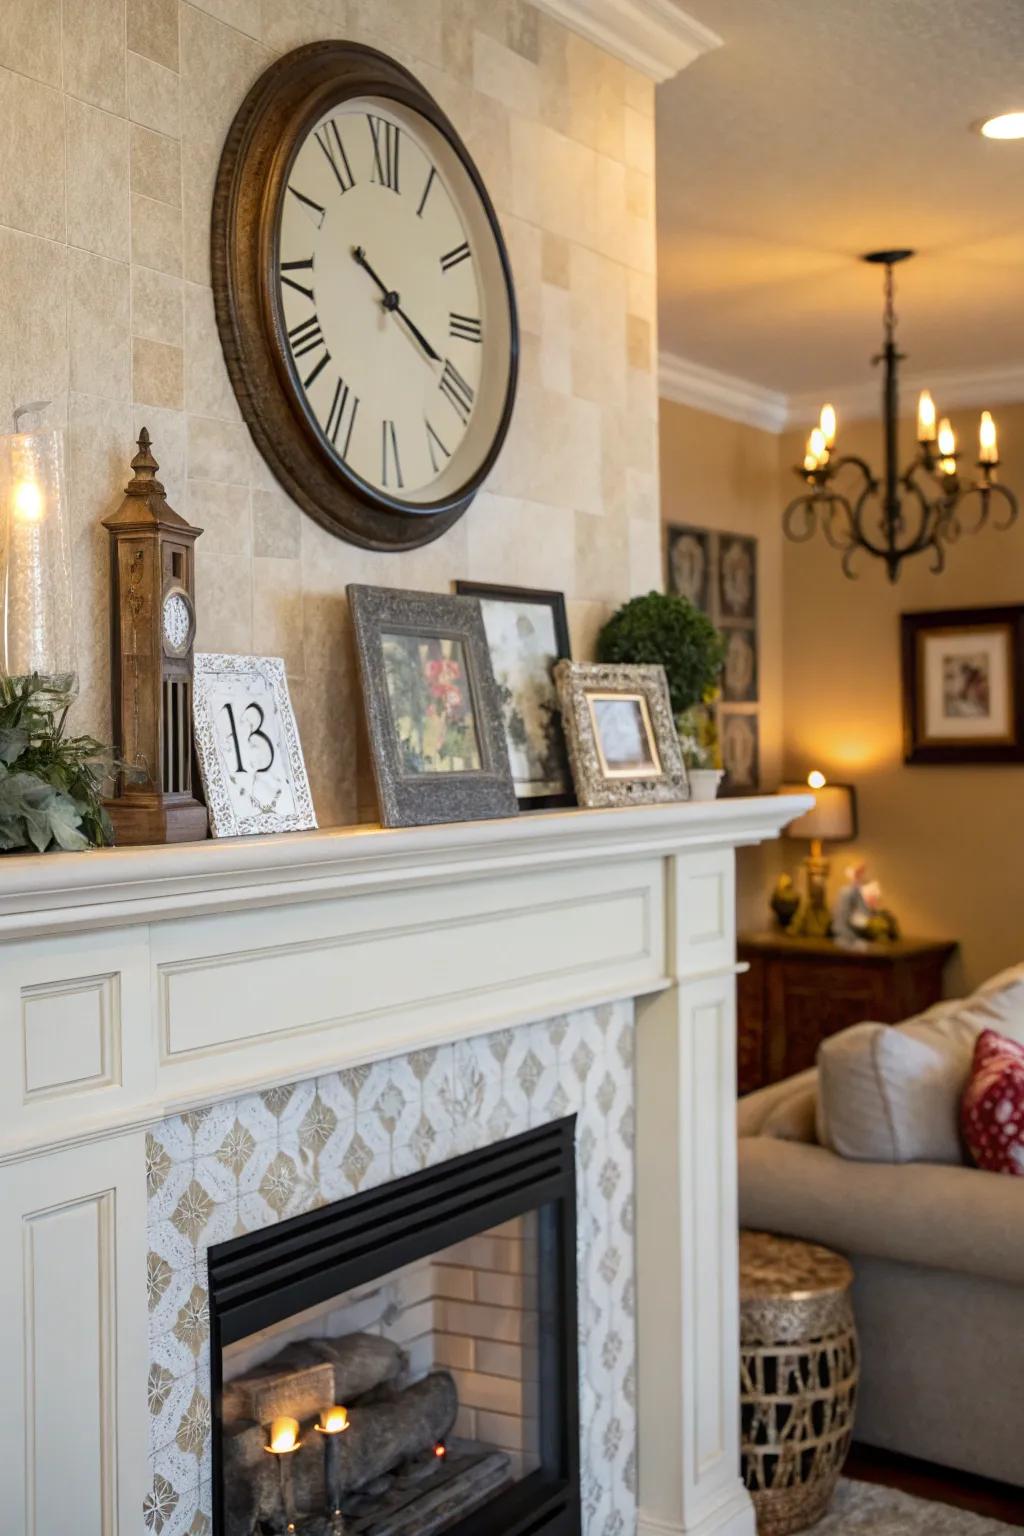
<point x="333" y="1421"/>
<point x="284" y="1436"/>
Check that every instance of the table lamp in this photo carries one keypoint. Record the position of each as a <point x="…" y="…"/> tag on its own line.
<point x="832" y="819"/>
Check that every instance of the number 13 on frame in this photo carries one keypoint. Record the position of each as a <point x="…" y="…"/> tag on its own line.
<point x="248" y="747"/>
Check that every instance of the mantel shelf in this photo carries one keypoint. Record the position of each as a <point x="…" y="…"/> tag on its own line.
<point x="41" y="894"/>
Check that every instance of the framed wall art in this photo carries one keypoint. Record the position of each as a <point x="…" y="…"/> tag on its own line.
<point x="963" y="685"/>
<point x="433" y="710"/>
<point x="620" y="733"/>
<point x="247" y="746"/>
<point x="717" y="572"/>
<point x="527" y="633"/>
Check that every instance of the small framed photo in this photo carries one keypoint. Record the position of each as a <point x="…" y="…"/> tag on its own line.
<point x="247" y="745"/>
<point x="621" y="736"/>
<point x="527" y="633"/>
<point x="963" y="685"/>
<point x="433" y="711"/>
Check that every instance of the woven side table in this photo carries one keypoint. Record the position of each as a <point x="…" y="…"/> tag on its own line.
<point x="798" y="1377"/>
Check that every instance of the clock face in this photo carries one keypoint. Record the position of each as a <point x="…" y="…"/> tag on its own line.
<point x="177" y="620"/>
<point x="393" y="308"/>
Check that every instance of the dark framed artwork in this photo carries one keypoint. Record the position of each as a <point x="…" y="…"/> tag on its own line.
<point x="739" y="737"/>
<point x="621" y="734"/>
<point x="717" y="571"/>
<point x="737" y="579"/>
<point x="528" y="632"/>
<point x="433" y="711"/>
<point x="963" y="685"/>
<point x="690" y="555"/>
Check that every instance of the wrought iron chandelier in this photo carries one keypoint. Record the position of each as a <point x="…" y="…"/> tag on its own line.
<point x="905" y="513"/>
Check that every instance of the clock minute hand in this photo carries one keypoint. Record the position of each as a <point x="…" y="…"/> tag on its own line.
<point x="392" y="301"/>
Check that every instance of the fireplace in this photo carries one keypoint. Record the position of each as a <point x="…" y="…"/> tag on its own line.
<point x="404" y="1362"/>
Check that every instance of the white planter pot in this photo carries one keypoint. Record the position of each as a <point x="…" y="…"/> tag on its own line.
<point x="704" y="782"/>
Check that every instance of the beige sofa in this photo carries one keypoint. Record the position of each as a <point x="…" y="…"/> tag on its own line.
<point x="937" y="1248"/>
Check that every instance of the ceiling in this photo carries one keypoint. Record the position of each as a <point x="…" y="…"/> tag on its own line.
<point x="822" y="129"/>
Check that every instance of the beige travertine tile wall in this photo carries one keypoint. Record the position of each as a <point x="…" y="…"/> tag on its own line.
<point x="112" y="116"/>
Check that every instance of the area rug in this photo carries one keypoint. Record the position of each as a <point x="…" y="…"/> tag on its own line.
<point x="886" y="1512"/>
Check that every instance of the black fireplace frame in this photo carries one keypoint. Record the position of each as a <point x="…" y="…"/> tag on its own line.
<point x="267" y="1276"/>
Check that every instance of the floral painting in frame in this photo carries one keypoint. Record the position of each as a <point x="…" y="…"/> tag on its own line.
<point x="528" y="633"/>
<point x="433" y="711"/>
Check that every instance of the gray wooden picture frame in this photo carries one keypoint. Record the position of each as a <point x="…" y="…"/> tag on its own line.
<point x="417" y="797"/>
<point x="577" y="682"/>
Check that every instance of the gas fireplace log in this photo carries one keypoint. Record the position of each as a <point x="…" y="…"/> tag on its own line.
<point x="394" y="1426"/>
<point x="310" y="1375"/>
<point x="383" y="1432"/>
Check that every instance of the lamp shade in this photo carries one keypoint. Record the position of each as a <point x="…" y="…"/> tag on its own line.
<point x="833" y="817"/>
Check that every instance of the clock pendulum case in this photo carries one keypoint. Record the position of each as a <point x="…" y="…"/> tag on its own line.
<point x="152" y="632"/>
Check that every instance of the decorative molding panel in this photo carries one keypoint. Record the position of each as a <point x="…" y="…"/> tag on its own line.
<point x="653" y="36"/>
<point x="722" y="394"/>
<point x="71" y="1035"/>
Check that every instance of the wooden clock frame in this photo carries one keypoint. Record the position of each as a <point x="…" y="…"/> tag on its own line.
<point x="267" y="133"/>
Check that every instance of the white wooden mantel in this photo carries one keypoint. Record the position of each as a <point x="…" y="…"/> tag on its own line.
<point x="138" y="982"/>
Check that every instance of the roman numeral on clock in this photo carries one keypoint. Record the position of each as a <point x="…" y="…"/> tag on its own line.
<point x="329" y="140"/>
<point x="345" y="403"/>
<point x="313" y="209"/>
<point x="433" y="443"/>
<point x="452" y="258"/>
<point x="464" y="328"/>
<point x="298" y="266"/>
<point x="389" y="456"/>
<point x="387" y="138"/>
<point x="308" y="337"/>
<point x="457" y="391"/>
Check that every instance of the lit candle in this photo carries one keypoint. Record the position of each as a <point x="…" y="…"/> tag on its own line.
<point x="828" y="424"/>
<point x="333" y="1421"/>
<point x="988" y="451"/>
<point x="925" y="418"/>
<point x="284" y="1436"/>
<point x="810" y="462"/>
<point x="948" y="466"/>
<point x="947" y="439"/>
<point x="817" y="445"/>
<point x="816" y="779"/>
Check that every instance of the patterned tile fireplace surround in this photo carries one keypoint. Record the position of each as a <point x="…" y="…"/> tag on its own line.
<point x="211" y="1039"/>
<point x="244" y="1164"/>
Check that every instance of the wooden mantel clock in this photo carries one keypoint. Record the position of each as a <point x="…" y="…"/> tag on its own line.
<point x="364" y="296"/>
<point x="153" y="627"/>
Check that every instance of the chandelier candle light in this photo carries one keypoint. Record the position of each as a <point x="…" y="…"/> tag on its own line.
<point x="915" y="510"/>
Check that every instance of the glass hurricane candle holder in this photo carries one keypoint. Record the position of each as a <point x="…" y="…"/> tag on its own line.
<point x="37" y="635"/>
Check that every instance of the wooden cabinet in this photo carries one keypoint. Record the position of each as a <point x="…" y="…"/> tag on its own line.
<point x="797" y="992"/>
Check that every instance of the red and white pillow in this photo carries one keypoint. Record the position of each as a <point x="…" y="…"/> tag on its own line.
<point x="992" y="1107"/>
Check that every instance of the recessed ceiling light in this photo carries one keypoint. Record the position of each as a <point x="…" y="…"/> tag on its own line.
<point x="1008" y="125"/>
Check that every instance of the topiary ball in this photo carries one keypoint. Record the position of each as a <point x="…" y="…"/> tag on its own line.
<point x="662" y="627"/>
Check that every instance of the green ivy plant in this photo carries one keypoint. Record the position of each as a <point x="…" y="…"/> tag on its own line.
<point x="662" y="627"/>
<point x="50" y="784"/>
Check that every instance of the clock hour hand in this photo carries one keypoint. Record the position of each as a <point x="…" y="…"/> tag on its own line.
<point x="392" y="301"/>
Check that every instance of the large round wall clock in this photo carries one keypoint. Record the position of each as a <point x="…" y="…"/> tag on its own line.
<point x="364" y="296"/>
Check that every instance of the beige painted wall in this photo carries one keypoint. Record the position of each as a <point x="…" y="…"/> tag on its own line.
<point x="946" y="843"/>
<point x="722" y="474"/>
<point x="112" y="114"/>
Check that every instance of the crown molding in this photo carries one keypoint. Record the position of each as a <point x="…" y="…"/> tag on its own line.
<point x="723" y="394"/>
<point x="952" y="390"/>
<point x="653" y="36"/>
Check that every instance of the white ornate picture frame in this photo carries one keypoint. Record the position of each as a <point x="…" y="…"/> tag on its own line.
<point x="247" y="745"/>
<point x="620" y="733"/>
